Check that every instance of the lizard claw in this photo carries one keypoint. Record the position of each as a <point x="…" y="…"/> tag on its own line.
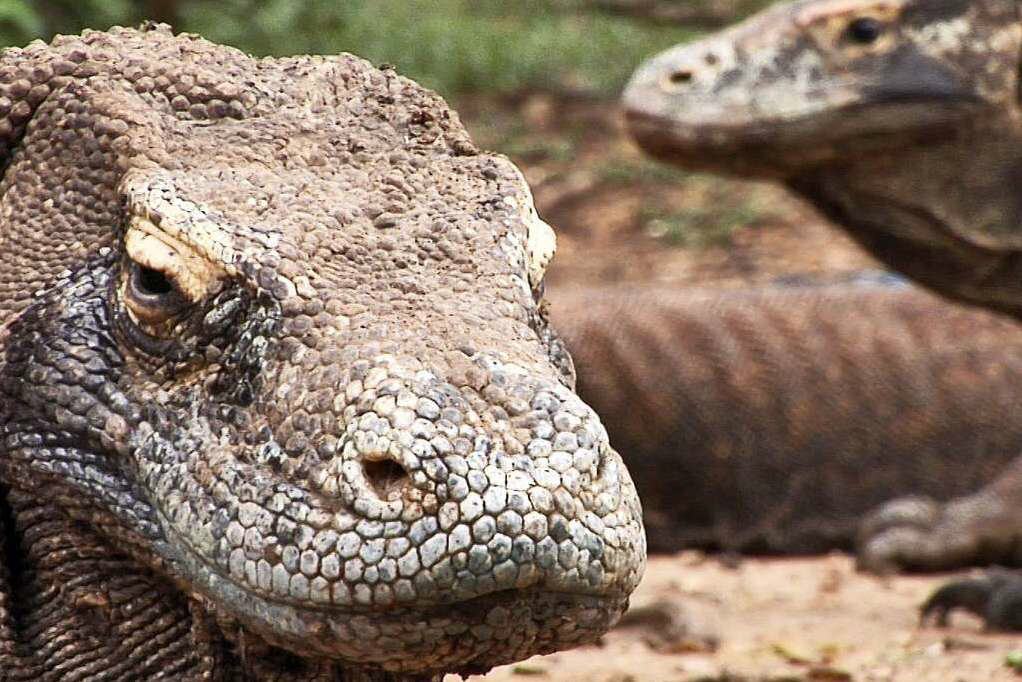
<point x="995" y="597"/>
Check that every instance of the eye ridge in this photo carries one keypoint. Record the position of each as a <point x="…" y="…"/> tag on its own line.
<point x="865" y="30"/>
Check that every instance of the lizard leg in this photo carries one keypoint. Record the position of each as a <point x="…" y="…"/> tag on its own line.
<point x="916" y="533"/>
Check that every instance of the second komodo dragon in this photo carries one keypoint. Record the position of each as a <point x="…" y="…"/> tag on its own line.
<point x="277" y="400"/>
<point x="901" y="120"/>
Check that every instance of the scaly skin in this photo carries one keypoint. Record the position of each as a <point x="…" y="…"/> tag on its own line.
<point x="276" y="398"/>
<point x="747" y="417"/>
<point x="899" y="119"/>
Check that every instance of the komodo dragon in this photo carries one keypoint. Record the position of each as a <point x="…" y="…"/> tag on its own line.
<point x="276" y="398"/>
<point x="900" y="120"/>
<point x="747" y="417"/>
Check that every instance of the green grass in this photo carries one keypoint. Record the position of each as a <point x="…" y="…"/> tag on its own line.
<point x="700" y="227"/>
<point x="454" y="46"/>
<point x="619" y="171"/>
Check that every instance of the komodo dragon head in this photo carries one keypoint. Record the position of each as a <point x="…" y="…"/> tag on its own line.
<point x="898" y="118"/>
<point x="269" y="329"/>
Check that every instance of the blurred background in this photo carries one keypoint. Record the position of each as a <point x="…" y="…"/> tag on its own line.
<point x="537" y="80"/>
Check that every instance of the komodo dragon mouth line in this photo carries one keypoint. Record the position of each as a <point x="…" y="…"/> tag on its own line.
<point x="525" y="615"/>
<point x="773" y="147"/>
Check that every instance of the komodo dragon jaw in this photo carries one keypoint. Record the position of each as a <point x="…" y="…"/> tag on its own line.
<point x="897" y="118"/>
<point x="269" y="331"/>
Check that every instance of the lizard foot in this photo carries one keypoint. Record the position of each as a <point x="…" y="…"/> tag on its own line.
<point x="920" y="534"/>
<point x="995" y="597"/>
<point x="899" y="534"/>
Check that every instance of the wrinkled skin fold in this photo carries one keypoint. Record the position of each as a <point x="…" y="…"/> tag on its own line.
<point x="277" y="399"/>
<point x="900" y="120"/>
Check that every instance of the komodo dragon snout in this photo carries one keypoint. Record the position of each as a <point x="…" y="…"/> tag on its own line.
<point x="846" y="74"/>
<point x="270" y="328"/>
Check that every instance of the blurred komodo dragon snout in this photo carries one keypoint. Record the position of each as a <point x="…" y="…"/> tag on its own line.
<point x="817" y="82"/>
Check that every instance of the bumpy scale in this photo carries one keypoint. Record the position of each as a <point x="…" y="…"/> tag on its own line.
<point x="766" y="404"/>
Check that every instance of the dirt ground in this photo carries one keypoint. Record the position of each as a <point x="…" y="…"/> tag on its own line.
<point x="779" y="620"/>
<point x="620" y="218"/>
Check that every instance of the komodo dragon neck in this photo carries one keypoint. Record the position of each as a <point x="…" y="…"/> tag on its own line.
<point x="946" y="209"/>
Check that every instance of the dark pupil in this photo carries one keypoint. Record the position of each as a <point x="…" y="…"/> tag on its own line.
<point x="153" y="282"/>
<point x="865" y="31"/>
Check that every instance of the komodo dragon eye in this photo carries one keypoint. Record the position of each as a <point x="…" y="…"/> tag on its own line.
<point x="865" y="30"/>
<point x="151" y="295"/>
<point x="162" y="278"/>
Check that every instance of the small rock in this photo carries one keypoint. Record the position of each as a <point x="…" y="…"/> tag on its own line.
<point x="961" y="644"/>
<point x="791" y="655"/>
<point x="828" y="674"/>
<point x="667" y="628"/>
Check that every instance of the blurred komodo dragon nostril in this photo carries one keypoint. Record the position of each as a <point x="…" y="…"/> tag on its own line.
<point x="680" y="77"/>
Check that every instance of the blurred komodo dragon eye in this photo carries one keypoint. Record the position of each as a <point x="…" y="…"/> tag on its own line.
<point x="865" y="30"/>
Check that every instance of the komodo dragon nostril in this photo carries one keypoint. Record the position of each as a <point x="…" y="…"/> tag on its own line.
<point x="680" y="77"/>
<point x="386" y="477"/>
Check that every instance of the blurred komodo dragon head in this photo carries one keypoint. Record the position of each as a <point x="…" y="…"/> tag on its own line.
<point x="277" y="398"/>
<point x="898" y="118"/>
